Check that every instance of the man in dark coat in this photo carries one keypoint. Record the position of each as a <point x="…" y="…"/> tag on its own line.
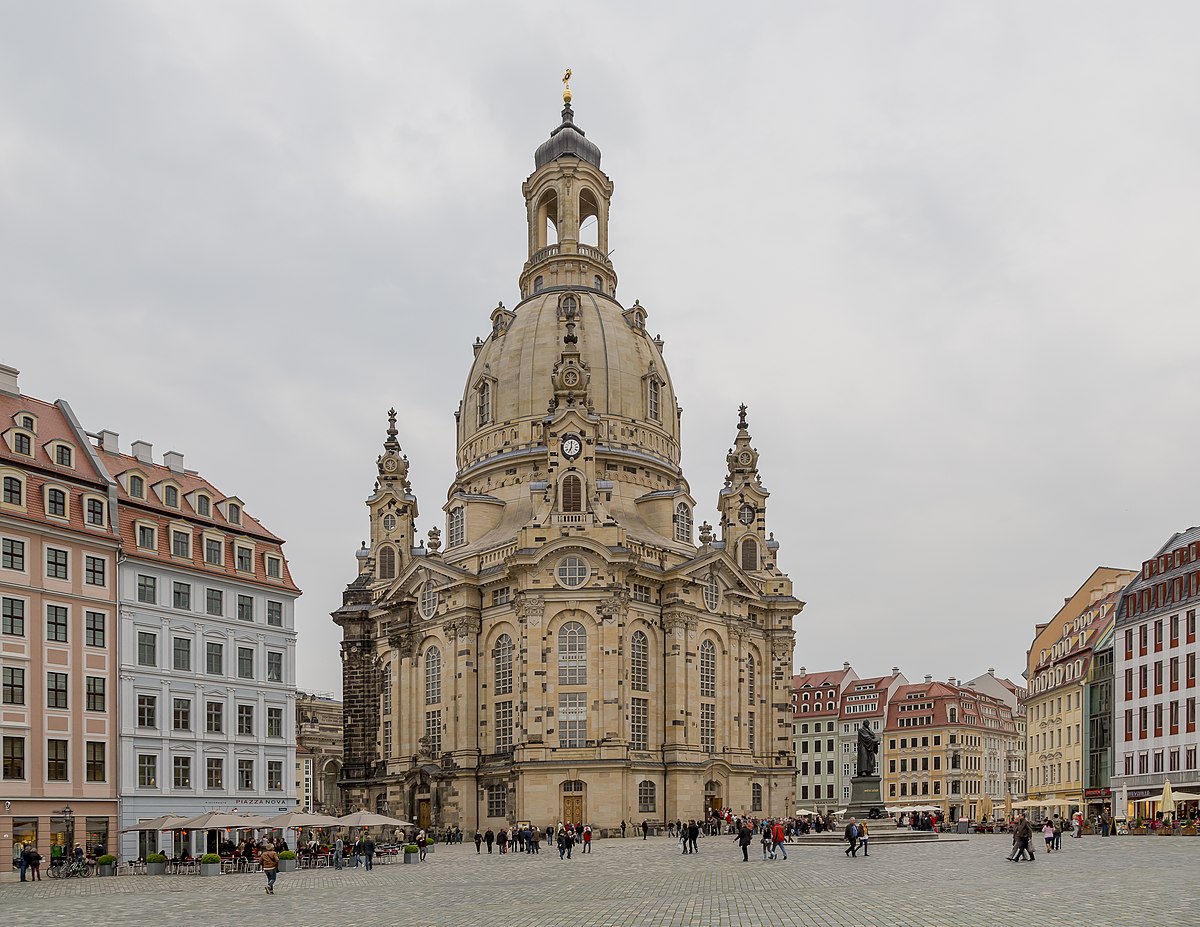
<point x="693" y="833"/>
<point x="743" y="838"/>
<point x="851" y="837"/>
<point x="490" y="838"/>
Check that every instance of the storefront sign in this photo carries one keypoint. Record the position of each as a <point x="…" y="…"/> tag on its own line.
<point x="1097" y="793"/>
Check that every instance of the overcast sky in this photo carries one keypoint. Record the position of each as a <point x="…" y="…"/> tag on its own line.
<point x="945" y="252"/>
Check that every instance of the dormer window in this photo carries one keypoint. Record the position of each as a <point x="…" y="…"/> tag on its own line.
<point x="23" y="445"/>
<point x="653" y="395"/>
<point x="95" y="512"/>
<point x="27" y="422"/>
<point x="683" y="523"/>
<point x="235" y="513"/>
<point x="203" y="506"/>
<point x="456" y="528"/>
<point x="63" y="455"/>
<point x="274" y="568"/>
<point x="56" y="503"/>
<point x="137" y="487"/>
<point x="171" y="497"/>
<point x="485" y="402"/>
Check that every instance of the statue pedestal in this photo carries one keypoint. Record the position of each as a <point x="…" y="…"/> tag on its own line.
<point x="864" y="797"/>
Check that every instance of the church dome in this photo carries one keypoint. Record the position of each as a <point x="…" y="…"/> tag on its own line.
<point x="624" y="381"/>
<point x="567" y="139"/>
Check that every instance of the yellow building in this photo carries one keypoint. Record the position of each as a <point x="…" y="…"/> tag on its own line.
<point x="571" y="652"/>
<point x="1059" y="662"/>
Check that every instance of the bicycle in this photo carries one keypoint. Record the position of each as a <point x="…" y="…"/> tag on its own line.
<point x="74" y="868"/>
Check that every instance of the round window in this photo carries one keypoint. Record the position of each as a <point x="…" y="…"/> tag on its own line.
<point x="389" y="522"/>
<point x="572" y="572"/>
<point x="712" y="592"/>
<point x="429" y="600"/>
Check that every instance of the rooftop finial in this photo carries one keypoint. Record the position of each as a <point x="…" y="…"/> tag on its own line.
<point x="742" y="416"/>
<point x="566" y="79"/>
<point x="392" y="423"/>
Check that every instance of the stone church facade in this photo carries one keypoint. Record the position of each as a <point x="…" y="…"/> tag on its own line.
<point x="571" y="648"/>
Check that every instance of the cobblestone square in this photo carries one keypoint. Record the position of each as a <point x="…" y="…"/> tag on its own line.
<point x="1096" y="882"/>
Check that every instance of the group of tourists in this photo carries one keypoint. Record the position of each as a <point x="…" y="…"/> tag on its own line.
<point x="528" y="839"/>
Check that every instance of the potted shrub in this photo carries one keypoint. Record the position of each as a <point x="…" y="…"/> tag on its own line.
<point x="410" y="853"/>
<point x="210" y="864"/>
<point x="428" y="844"/>
<point x="156" y="864"/>
<point x="106" y="865"/>
<point x="287" y="861"/>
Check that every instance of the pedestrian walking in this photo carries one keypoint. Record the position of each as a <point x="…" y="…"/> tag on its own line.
<point x="645" y="829"/>
<point x="743" y="838"/>
<point x="23" y="860"/>
<point x="693" y="832"/>
<point x="587" y="838"/>
<point x="851" y="837"/>
<point x="765" y="840"/>
<point x="339" y="848"/>
<point x="779" y="835"/>
<point x="490" y="837"/>
<point x="622" y="829"/>
<point x="864" y="837"/>
<point x="479" y="841"/>
<point x="1048" y="836"/>
<point x="357" y="852"/>
<point x="422" y="842"/>
<point x="535" y="840"/>
<point x="369" y="852"/>
<point x="270" y="866"/>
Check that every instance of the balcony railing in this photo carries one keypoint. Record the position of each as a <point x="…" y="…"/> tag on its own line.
<point x="571" y="518"/>
<point x="541" y="255"/>
<point x="595" y="254"/>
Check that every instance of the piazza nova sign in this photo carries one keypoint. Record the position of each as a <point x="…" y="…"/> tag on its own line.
<point x="1069" y="658"/>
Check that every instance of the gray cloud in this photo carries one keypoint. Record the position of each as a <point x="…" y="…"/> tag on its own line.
<point x="944" y="253"/>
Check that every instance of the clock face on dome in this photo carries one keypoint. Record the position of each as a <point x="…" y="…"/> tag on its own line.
<point x="572" y="446"/>
<point x="389" y="464"/>
<point x="744" y="458"/>
<point x="746" y="514"/>
<point x="570" y="378"/>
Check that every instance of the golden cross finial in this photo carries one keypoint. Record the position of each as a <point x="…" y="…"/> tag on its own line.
<point x="567" y="86"/>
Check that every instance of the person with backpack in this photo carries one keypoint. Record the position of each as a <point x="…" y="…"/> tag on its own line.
<point x="851" y="837"/>
<point x="270" y="867"/>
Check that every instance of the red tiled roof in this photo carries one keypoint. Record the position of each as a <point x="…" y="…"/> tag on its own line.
<point x="52" y="425"/>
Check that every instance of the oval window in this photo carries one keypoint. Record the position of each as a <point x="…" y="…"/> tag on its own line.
<point x="572" y="572"/>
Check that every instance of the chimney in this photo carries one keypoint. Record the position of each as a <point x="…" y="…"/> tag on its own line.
<point x="110" y="441"/>
<point x="803" y="671"/>
<point x="143" y="451"/>
<point x="174" y="461"/>
<point x="8" y="380"/>
<point x="846" y="666"/>
<point x="991" y="671"/>
<point x="928" y="679"/>
<point x="952" y="680"/>
<point x="895" y="671"/>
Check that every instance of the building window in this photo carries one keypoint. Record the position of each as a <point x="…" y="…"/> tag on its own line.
<point x="275" y="614"/>
<point x="95" y="512"/>
<point x="147" y="648"/>
<point x="235" y="513"/>
<point x="56" y="760"/>
<point x="572" y="719"/>
<point x="639" y="724"/>
<point x="14" y="685"/>
<point x="389" y="522"/>
<point x="214" y="602"/>
<point x="429" y="600"/>
<point x="245" y="560"/>
<point x="214" y="717"/>
<point x="572" y="493"/>
<point x="572" y="572"/>
<point x="502" y="665"/>
<point x="245" y="720"/>
<point x="94" y="570"/>
<point x="708" y="670"/>
<point x="56" y="503"/>
<point x="94" y="693"/>
<point x="653" y="399"/>
<point x="12" y="555"/>
<point x="386" y="696"/>
<point x="203" y="506"/>
<point x="572" y="654"/>
<point x="93" y="629"/>
<point x="245" y="608"/>
<point x="62" y="455"/>
<point x="456" y="528"/>
<point x="147" y="711"/>
<point x="181" y="596"/>
<point x="56" y="563"/>
<point x="214" y="658"/>
<point x="387" y="563"/>
<point x="641" y="592"/>
<point x="181" y="714"/>
<point x="433" y="731"/>
<point x="181" y="772"/>
<point x="171" y="497"/>
<point x="274" y="666"/>
<point x="14" y="758"/>
<point x="683" y="523"/>
<point x="708" y="727"/>
<point x="182" y="654"/>
<point x="274" y="722"/>
<point x="749" y="554"/>
<point x="13" y="617"/>
<point x="56" y="623"/>
<point x="214" y="773"/>
<point x="145" y="538"/>
<point x="750" y="677"/>
<point x="433" y="676"/>
<point x="597" y="284"/>
<point x="22" y="445"/>
<point x="712" y="592"/>
<point x="147" y="589"/>
<point x="147" y="771"/>
<point x="245" y="662"/>
<point x="751" y="732"/>
<point x="538" y="283"/>
<point x="96" y="771"/>
<point x="497" y="796"/>
<point x="639" y="662"/>
<point x="274" y="567"/>
<point x="485" y="402"/>
<point x="181" y="544"/>
<point x="213" y="551"/>
<point x="274" y="775"/>
<point x="755" y="797"/>
<point x="646" y="797"/>
<point x="504" y="726"/>
<point x="13" y="494"/>
<point x="137" y="487"/>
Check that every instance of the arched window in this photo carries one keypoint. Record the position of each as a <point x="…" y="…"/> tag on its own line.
<point x="712" y="592"/>
<point x="429" y="600"/>
<point x="683" y="523"/>
<point x="203" y="506"/>
<point x="652" y="399"/>
<point x="598" y="284"/>
<point x="572" y="654"/>
<point x="235" y="513"/>
<point x="433" y="676"/>
<point x="749" y="554"/>
<point x="750" y="667"/>
<point x="137" y="487"/>
<point x="708" y="670"/>
<point x="572" y="493"/>
<point x="13" y="491"/>
<point x="646" y="796"/>
<point x="502" y="665"/>
<point x="56" y="502"/>
<point x="456" y="528"/>
<point x="485" y="401"/>
<point x="755" y="797"/>
<point x="538" y="283"/>
<point x="387" y="563"/>
<point x="639" y="662"/>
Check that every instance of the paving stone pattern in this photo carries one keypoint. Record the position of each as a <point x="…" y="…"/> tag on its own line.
<point x="1093" y="882"/>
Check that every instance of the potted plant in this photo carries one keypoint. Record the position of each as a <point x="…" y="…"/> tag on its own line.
<point x="287" y="861"/>
<point x="210" y="864"/>
<point x="156" y="864"/>
<point x="106" y="865"/>
<point x="410" y="853"/>
<point x="428" y="843"/>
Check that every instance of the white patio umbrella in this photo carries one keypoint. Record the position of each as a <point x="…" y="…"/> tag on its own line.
<point x="368" y="819"/>
<point x="301" y="819"/>
<point x="1166" y="804"/>
<point x="166" y="822"/>
<point x="221" y="820"/>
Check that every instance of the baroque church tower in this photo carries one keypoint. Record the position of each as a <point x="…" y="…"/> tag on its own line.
<point x="568" y="649"/>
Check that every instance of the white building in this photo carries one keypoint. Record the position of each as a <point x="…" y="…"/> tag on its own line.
<point x="207" y="653"/>
<point x="863" y="700"/>
<point x="816" y="700"/>
<point x="1011" y="750"/>
<point x="1154" y="680"/>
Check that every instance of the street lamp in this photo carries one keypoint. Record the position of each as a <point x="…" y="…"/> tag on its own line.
<point x="69" y="819"/>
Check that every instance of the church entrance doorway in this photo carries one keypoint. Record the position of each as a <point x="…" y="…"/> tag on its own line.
<point x="572" y="802"/>
<point x="712" y="796"/>
<point x="423" y="815"/>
